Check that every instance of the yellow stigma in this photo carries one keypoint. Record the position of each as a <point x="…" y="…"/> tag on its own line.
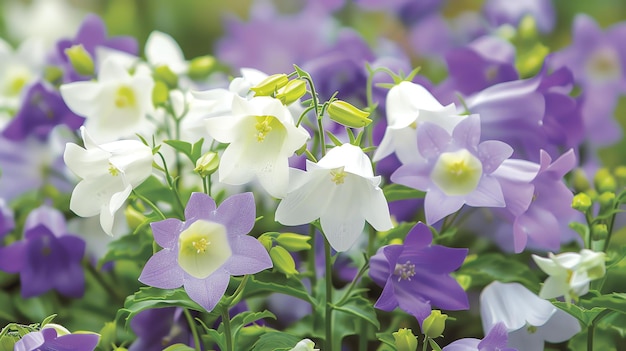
<point x="263" y="127"/>
<point x="113" y="170"/>
<point x="200" y="245"/>
<point x="16" y="84"/>
<point x="338" y="175"/>
<point x="124" y="97"/>
<point x="457" y="173"/>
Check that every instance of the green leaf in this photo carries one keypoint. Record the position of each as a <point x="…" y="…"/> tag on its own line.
<point x="334" y="139"/>
<point x="181" y="146"/>
<point x="614" y="301"/>
<point x="149" y="297"/>
<point x="395" y="192"/>
<point x="486" y="268"/>
<point x="132" y="247"/>
<point x="47" y="320"/>
<point x="388" y="340"/>
<point x="360" y="307"/>
<point x="196" y="151"/>
<point x="584" y="315"/>
<point x="245" y="318"/>
<point x="178" y="347"/>
<point x="301" y="72"/>
<point x="276" y="340"/>
<point x="434" y="345"/>
<point x="279" y="283"/>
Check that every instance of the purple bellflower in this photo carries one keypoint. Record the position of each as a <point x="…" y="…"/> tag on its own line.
<point x="7" y="222"/>
<point x="502" y="12"/>
<point x="47" y="340"/>
<point x="202" y="252"/>
<point x="598" y="61"/>
<point x="42" y="109"/>
<point x="416" y="275"/>
<point x="160" y="327"/>
<point x="92" y="34"/>
<point x="495" y="340"/>
<point x="456" y="169"/>
<point x="47" y="258"/>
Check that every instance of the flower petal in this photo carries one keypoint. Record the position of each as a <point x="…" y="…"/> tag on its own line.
<point x="237" y="213"/>
<point x="166" y="232"/>
<point x="437" y="205"/>
<point x="207" y="292"/>
<point x="199" y="206"/>
<point x="162" y="271"/>
<point x="249" y="256"/>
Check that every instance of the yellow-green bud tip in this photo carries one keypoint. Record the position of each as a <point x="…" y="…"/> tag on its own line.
<point x="434" y="324"/>
<point x="166" y="75"/>
<point x="346" y="114"/>
<point x="581" y="202"/>
<point x="599" y="231"/>
<point x="201" y="67"/>
<point x="604" y="181"/>
<point x="282" y="260"/>
<point x="404" y="340"/>
<point x="80" y="59"/>
<point x="291" y="92"/>
<point x="270" y="84"/>
<point x="207" y="164"/>
<point x="294" y="242"/>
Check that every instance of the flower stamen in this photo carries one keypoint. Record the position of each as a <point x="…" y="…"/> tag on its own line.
<point x="263" y="127"/>
<point x="404" y="271"/>
<point x="338" y="175"/>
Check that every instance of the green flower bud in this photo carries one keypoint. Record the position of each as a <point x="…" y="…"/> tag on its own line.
<point x="581" y="202"/>
<point x="606" y="200"/>
<point x="160" y="93"/>
<point x="405" y="340"/>
<point x="599" y="231"/>
<point x="348" y="115"/>
<point x="165" y="74"/>
<point x="579" y="180"/>
<point x="604" y="181"/>
<point x="267" y="241"/>
<point x="207" y="164"/>
<point x="527" y="28"/>
<point x="620" y="174"/>
<point x="291" y="92"/>
<point x="434" y="324"/>
<point x="270" y="84"/>
<point x="134" y="218"/>
<point x="80" y="59"/>
<point x="294" y="242"/>
<point x="283" y="261"/>
<point x="200" y="67"/>
<point x="52" y="74"/>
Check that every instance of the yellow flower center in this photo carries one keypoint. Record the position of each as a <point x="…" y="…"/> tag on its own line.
<point x="338" y="175"/>
<point x="203" y="248"/>
<point x="457" y="173"/>
<point x="264" y="127"/>
<point x="201" y="245"/>
<point x="114" y="171"/>
<point x="125" y="97"/>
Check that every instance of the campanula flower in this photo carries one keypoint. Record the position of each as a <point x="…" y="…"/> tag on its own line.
<point x="49" y="339"/>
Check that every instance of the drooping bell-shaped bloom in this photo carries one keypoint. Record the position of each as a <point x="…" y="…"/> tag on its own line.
<point x="495" y="340"/>
<point x="529" y="320"/>
<point x="342" y="191"/>
<point x="456" y="169"/>
<point x="570" y="273"/>
<point x="48" y="339"/>
<point x="41" y="110"/>
<point x="48" y="257"/>
<point x="202" y="252"/>
<point x="108" y="173"/>
<point x="116" y="105"/>
<point x="262" y="135"/>
<point x="416" y="275"/>
<point x="407" y="106"/>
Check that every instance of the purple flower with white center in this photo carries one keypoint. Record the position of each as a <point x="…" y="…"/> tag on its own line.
<point x="92" y="34"/>
<point x="501" y="12"/>
<point x="202" y="252"/>
<point x="42" y="109"/>
<point x="47" y="339"/>
<point x="484" y="62"/>
<point x="597" y="59"/>
<point x="7" y="223"/>
<point x="495" y="340"/>
<point x="456" y="169"/>
<point x="531" y="114"/>
<point x="160" y="327"/>
<point x="48" y="258"/>
<point x="416" y="275"/>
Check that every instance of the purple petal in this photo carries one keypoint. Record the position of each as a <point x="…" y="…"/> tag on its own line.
<point x="162" y="271"/>
<point x="418" y="238"/>
<point x="30" y="341"/>
<point x="412" y="303"/>
<point x="237" y="213"/>
<point x="13" y="257"/>
<point x="440" y="290"/>
<point x="387" y="300"/>
<point x="438" y="205"/>
<point x="439" y="259"/>
<point x="52" y="218"/>
<point x="561" y="166"/>
<point x="382" y="263"/>
<point x="467" y="133"/>
<point x="495" y="339"/>
<point x="416" y="176"/>
<point x="91" y="33"/>
<point x="166" y="232"/>
<point x="123" y="43"/>
<point x="488" y="193"/>
<point x="492" y="153"/>
<point x="465" y="344"/>
<point x="200" y="206"/>
<point x="208" y="292"/>
<point x="249" y="256"/>
<point x="432" y="139"/>
<point x="541" y="226"/>
<point x="73" y="342"/>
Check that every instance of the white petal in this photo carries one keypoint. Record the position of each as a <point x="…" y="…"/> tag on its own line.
<point x="86" y="163"/>
<point x="555" y="286"/>
<point x="561" y="327"/>
<point x="162" y="49"/>
<point x="304" y="204"/>
<point x="374" y="207"/>
<point x="232" y="170"/>
<point x="82" y="97"/>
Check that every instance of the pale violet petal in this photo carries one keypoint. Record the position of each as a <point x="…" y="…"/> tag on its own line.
<point x="162" y="271"/>
<point x="561" y="327"/>
<point x="207" y="292"/>
<point x="437" y="205"/>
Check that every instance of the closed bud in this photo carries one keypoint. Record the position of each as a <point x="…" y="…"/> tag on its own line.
<point x="405" y="340"/>
<point x="599" y="231"/>
<point x="348" y="115"/>
<point x="283" y="261"/>
<point x="134" y="218"/>
<point x="604" y="181"/>
<point x="294" y="242"/>
<point x="270" y="84"/>
<point x="620" y="174"/>
<point x="291" y="92"/>
<point x="606" y="200"/>
<point x="160" y="93"/>
<point x="267" y="241"/>
<point x="80" y="59"/>
<point x="166" y="75"/>
<point x="434" y="324"/>
<point x="201" y="66"/>
<point x="579" y="180"/>
<point x="53" y="74"/>
<point x="581" y="202"/>
<point x="527" y="28"/>
<point x="207" y="164"/>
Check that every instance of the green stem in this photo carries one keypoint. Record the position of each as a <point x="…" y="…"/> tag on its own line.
<point x="103" y="283"/>
<point x="592" y="327"/>
<point x="311" y="256"/>
<point x="425" y="346"/>
<point x="194" y="331"/>
<point x="238" y="294"/>
<point x="329" y="290"/>
<point x="227" y="331"/>
<point x="358" y="276"/>
<point x="150" y="204"/>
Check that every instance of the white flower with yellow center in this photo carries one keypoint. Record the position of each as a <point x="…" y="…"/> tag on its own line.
<point x="108" y="174"/>
<point x="117" y="105"/>
<point x="262" y="135"/>
<point x="342" y="191"/>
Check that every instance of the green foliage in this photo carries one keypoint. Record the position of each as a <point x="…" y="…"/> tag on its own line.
<point x="485" y="268"/>
<point x="149" y="297"/>
<point x="276" y="340"/>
